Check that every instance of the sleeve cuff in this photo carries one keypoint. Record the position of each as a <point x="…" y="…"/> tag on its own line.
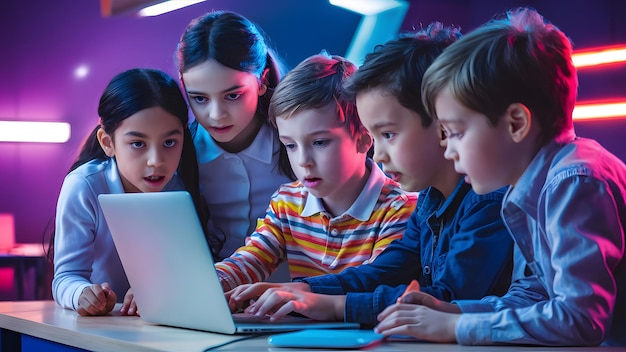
<point x="359" y="308"/>
<point x="473" y="306"/>
<point x="77" y="294"/>
<point x="473" y="329"/>
<point x="326" y="284"/>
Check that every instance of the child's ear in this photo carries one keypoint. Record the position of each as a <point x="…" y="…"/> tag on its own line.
<point x="443" y="137"/>
<point x="519" y="119"/>
<point x="106" y="142"/>
<point x="264" y="83"/>
<point x="364" y="142"/>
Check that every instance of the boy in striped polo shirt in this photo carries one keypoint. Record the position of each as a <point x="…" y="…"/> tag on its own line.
<point x="343" y="210"/>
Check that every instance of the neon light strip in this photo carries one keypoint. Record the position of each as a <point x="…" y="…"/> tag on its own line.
<point x="596" y="57"/>
<point x="27" y="131"/>
<point x="599" y="57"/>
<point x="599" y="111"/>
<point x="380" y="22"/>
<point x="367" y="7"/>
<point x="166" y="6"/>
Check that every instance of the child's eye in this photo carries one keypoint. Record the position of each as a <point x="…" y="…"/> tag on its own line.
<point x="199" y="99"/>
<point x="445" y="134"/>
<point x="454" y="135"/>
<point x="232" y="96"/>
<point x="137" y="144"/>
<point x="169" y="143"/>
<point x="320" y="142"/>
<point x="289" y="146"/>
<point x="388" y="135"/>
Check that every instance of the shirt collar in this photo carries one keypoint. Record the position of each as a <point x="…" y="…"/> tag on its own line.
<point x="207" y="150"/>
<point x="530" y="184"/>
<point x="462" y="187"/>
<point x="431" y="200"/>
<point x="266" y="139"/>
<point x="364" y="204"/>
<point x="113" y="177"/>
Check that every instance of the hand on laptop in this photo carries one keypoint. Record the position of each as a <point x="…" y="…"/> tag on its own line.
<point x="408" y="316"/>
<point x="97" y="299"/>
<point x="424" y="299"/>
<point x="278" y="302"/>
<point x="239" y="298"/>
<point x="129" y="306"/>
<point x="418" y="321"/>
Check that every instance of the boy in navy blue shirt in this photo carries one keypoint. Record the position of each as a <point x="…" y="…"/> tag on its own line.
<point x="455" y="244"/>
<point x="505" y="95"/>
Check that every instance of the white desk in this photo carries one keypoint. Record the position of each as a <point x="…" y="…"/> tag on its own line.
<point x="43" y="325"/>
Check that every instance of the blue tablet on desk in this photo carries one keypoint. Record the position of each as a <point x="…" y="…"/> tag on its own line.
<point x="326" y="338"/>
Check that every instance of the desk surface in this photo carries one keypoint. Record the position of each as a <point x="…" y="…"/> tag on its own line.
<point x="48" y="321"/>
<point x="24" y="250"/>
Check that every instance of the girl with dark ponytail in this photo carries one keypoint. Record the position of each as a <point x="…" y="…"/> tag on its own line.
<point x="229" y="73"/>
<point x="142" y="143"/>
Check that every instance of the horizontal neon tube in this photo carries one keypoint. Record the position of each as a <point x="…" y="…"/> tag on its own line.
<point x="166" y="6"/>
<point x="599" y="57"/>
<point x="367" y="7"/>
<point x="28" y="131"/>
<point x="599" y="111"/>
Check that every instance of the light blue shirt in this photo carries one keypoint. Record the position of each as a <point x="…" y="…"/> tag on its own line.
<point x="566" y="215"/>
<point x="237" y="187"/>
<point x="84" y="252"/>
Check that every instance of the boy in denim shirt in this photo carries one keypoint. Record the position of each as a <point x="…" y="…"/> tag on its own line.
<point x="505" y="95"/>
<point x="455" y="244"/>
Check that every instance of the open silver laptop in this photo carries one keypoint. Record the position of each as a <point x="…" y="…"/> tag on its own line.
<point x="170" y="268"/>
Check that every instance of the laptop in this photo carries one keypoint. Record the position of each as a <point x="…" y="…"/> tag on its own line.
<point x="170" y="268"/>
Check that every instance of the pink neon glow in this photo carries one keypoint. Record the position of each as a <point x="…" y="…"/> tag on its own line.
<point x="596" y="57"/>
<point x="7" y="232"/>
<point x="599" y="111"/>
<point x="599" y="56"/>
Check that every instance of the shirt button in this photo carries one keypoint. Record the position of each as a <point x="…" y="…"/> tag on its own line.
<point x="334" y="232"/>
<point x="426" y="270"/>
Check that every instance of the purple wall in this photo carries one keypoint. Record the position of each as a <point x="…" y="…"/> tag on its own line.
<point x="44" y="41"/>
<point x="48" y="40"/>
<point x="588" y="23"/>
<point x="588" y="26"/>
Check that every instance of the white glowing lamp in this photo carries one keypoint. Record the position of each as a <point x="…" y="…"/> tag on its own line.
<point x="30" y="131"/>
<point x="166" y="6"/>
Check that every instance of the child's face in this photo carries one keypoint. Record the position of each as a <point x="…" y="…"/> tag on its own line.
<point x="325" y="157"/>
<point x="485" y="154"/>
<point x="224" y="101"/>
<point x="409" y="153"/>
<point x="147" y="147"/>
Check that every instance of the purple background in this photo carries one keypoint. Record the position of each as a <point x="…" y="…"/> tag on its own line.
<point x="42" y="42"/>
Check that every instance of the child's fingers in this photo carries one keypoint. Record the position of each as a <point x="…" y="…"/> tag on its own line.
<point x="414" y="286"/>
<point x="413" y="298"/>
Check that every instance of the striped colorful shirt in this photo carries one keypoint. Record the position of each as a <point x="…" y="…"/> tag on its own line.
<point x="298" y="229"/>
